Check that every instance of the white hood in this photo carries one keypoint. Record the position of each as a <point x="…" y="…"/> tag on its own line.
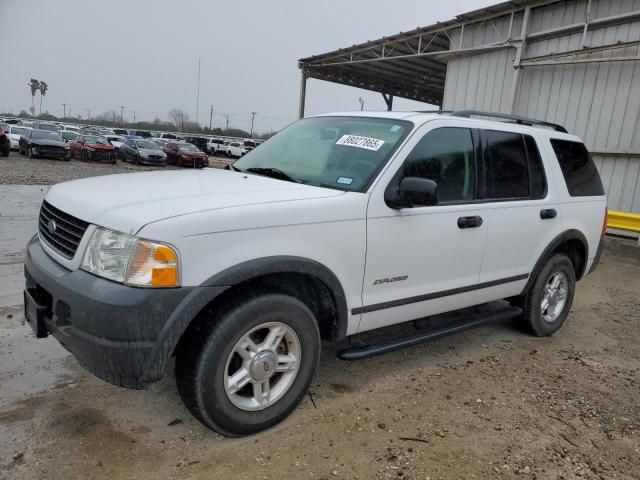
<point x="127" y="202"/>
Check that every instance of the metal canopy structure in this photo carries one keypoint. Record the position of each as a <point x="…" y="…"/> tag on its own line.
<point x="409" y="65"/>
<point x="413" y="64"/>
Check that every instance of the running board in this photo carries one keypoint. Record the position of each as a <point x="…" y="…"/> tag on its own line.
<point x="478" y="320"/>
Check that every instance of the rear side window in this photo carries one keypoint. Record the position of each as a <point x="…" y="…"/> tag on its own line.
<point x="580" y="173"/>
<point x="513" y="166"/>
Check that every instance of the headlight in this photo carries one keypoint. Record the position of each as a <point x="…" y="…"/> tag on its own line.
<point x="132" y="261"/>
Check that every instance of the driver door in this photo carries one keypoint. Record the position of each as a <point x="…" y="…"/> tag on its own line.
<point x="425" y="260"/>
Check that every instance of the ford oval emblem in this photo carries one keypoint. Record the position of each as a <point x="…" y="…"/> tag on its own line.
<point x="51" y="226"/>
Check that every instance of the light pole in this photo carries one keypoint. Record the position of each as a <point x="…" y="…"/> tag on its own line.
<point x="198" y="93"/>
<point x="121" y="114"/>
<point x="253" y="116"/>
<point x="210" y="117"/>
<point x="64" y="109"/>
<point x="88" y="113"/>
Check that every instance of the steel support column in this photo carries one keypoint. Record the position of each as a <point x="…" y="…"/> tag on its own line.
<point x="517" y="74"/>
<point x="303" y="92"/>
<point x="388" y="99"/>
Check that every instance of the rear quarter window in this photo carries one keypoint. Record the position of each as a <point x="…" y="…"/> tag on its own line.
<point x="579" y="171"/>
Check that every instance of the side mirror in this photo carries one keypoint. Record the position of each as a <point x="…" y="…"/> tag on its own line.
<point x="413" y="192"/>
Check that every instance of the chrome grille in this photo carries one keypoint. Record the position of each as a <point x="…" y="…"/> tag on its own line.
<point x="61" y="231"/>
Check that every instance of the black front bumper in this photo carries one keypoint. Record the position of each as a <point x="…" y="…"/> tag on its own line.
<point x="123" y="335"/>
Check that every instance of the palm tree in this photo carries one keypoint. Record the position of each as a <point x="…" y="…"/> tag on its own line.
<point x="34" y="85"/>
<point x="43" y="91"/>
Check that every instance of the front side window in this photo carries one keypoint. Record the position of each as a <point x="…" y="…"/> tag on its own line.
<point x="446" y="156"/>
<point x="344" y="153"/>
<point x="578" y="168"/>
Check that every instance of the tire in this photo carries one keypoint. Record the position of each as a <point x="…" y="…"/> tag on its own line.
<point x="543" y="321"/>
<point x="30" y="152"/>
<point x="207" y="359"/>
<point x="228" y="154"/>
<point x="83" y="156"/>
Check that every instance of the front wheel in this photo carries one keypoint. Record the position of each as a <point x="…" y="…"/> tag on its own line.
<point x="547" y="304"/>
<point x="249" y="367"/>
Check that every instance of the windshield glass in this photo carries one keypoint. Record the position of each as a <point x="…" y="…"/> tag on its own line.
<point x="95" y="141"/>
<point x="69" y="135"/>
<point x="48" y="126"/>
<point x="187" y="147"/>
<point x="146" y="144"/>
<point x="336" y="152"/>
<point x="18" y="130"/>
<point x="44" y="135"/>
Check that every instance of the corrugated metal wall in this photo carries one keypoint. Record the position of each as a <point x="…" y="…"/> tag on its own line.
<point x="600" y="102"/>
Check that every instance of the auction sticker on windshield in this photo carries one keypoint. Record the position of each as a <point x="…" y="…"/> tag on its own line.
<point x="360" y="142"/>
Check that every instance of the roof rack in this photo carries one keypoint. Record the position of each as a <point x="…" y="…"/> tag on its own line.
<point x="511" y="118"/>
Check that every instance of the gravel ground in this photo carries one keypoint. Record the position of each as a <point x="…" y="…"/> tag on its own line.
<point x="17" y="169"/>
<point x="491" y="403"/>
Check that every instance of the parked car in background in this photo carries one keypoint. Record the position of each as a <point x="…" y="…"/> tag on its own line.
<point x="5" y="144"/>
<point x="120" y="131"/>
<point x="14" y="132"/>
<point x="52" y="127"/>
<point x="90" y="148"/>
<point x="43" y="143"/>
<point x="25" y="123"/>
<point x="214" y="146"/>
<point x="168" y="136"/>
<point x="116" y="141"/>
<point x="70" y="128"/>
<point x="185" y="155"/>
<point x="249" y="145"/>
<point x="68" y="136"/>
<point x="235" y="150"/>
<point x="200" y="142"/>
<point x="141" y="133"/>
<point x="143" y="151"/>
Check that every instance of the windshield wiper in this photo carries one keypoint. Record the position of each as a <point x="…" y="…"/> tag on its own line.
<point x="231" y="167"/>
<point x="273" y="173"/>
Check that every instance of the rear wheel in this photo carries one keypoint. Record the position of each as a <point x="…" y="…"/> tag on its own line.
<point x="251" y="365"/>
<point x="547" y="304"/>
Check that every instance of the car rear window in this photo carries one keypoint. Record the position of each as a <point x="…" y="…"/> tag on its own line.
<point x="580" y="173"/>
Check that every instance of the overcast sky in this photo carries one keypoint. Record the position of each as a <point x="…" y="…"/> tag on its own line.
<point x="143" y="54"/>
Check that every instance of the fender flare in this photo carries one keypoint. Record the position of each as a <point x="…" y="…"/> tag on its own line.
<point x="288" y="264"/>
<point x="564" y="237"/>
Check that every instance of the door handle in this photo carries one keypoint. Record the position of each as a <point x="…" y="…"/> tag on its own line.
<point x="469" y="222"/>
<point x="548" y="213"/>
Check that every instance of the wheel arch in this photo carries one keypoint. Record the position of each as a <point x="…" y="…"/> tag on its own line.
<point x="572" y="243"/>
<point x="296" y="276"/>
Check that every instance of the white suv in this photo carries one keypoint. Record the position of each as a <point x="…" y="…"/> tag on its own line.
<point x="338" y="225"/>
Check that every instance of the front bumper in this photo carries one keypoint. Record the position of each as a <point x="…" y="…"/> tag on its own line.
<point x="123" y="335"/>
<point x="158" y="162"/>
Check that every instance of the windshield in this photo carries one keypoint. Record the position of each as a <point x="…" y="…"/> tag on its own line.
<point x="335" y="152"/>
<point x="48" y="126"/>
<point x="187" y="147"/>
<point x="95" y="141"/>
<point x="44" y="135"/>
<point x="69" y="135"/>
<point x="147" y="145"/>
<point x="18" y="130"/>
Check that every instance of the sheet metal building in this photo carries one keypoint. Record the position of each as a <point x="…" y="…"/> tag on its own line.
<point x="574" y="62"/>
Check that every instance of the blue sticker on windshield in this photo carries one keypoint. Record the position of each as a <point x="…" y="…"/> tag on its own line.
<point x="345" y="180"/>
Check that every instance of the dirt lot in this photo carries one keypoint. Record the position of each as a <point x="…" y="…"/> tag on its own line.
<point x="19" y="170"/>
<point x="488" y="404"/>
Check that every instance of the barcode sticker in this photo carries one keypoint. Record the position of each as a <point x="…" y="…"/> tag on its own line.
<point x="360" y="142"/>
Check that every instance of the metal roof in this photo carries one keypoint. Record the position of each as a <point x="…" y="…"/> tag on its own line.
<point x="409" y="65"/>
